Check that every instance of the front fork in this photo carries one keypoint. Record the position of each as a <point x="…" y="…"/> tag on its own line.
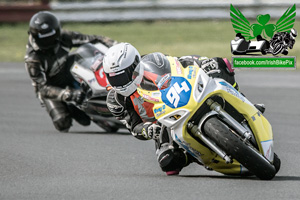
<point x="224" y="116"/>
<point x="241" y="130"/>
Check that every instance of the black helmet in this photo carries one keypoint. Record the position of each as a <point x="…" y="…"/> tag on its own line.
<point x="44" y="29"/>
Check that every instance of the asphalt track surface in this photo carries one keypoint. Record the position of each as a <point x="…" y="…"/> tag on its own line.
<point x="37" y="162"/>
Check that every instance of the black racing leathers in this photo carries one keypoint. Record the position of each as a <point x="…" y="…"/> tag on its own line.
<point x="50" y="73"/>
<point x="122" y="108"/>
<point x="48" y="68"/>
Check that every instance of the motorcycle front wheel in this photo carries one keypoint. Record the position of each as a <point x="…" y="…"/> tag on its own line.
<point x="277" y="49"/>
<point x="244" y="153"/>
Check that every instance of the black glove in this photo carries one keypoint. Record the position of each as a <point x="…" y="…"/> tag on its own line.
<point x="106" y="41"/>
<point x="151" y="131"/>
<point x="76" y="96"/>
<point x="111" y="42"/>
<point x="210" y="66"/>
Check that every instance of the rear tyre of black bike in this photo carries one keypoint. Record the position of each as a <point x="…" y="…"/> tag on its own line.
<point x="232" y="144"/>
<point x="109" y="127"/>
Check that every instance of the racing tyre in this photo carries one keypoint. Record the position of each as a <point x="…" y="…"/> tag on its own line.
<point x="276" y="162"/>
<point x="232" y="144"/>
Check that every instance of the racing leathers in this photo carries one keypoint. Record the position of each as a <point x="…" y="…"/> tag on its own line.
<point x="138" y="115"/>
<point x="49" y="70"/>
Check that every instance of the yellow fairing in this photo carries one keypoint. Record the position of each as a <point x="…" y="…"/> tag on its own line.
<point x="259" y="125"/>
<point x="209" y="158"/>
<point x="160" y="109"/>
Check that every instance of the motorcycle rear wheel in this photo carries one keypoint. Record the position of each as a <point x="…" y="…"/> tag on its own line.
<point x="232" y="144"/>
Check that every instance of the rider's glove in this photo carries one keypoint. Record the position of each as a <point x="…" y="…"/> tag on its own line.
<point x="210" y="66"/>
<point x="38" y="94"/>
<point x="151" y="131"/>
<point x="107" y="41"/>
<point x="76" y="96"/>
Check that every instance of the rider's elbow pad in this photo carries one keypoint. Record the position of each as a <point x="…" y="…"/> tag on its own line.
<point x="113" y="105"/>
<point x="35" y="72"/>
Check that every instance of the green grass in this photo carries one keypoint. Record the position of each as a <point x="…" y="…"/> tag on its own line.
<point x="13" y="39"/>
<point x="206" y="38"/>
<point x="174" y="38"/>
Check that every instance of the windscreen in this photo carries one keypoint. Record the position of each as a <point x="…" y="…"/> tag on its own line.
<point x="156" y="72"/>
<point x="89" y="57"/>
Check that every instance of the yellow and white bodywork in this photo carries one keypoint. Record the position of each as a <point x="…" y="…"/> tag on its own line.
<point x="189" y="89"/>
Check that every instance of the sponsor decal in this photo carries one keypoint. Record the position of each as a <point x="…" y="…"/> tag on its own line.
<point x="268" y="149"/>
<point x="91" y="80"/>
<point x="194" y="74"/>
<point x="178" y="68"/>
<point x="159" y="111"/>
<point x="145" y="96"/>
<point x="232" y="90"/>
<point x="191" y="70"/>
<point x="163" y="80"/>
<point x="178" y="93"/>
<point x="188" y="148"/>
<point x="156" y="94"/>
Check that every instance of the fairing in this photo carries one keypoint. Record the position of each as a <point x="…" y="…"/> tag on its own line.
<point x="189" y="88"/>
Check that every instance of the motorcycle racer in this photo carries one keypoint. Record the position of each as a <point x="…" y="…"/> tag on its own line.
<point x="285" y="39"/>
<point x="125" y="103"/>
<point x="47" y="64"/>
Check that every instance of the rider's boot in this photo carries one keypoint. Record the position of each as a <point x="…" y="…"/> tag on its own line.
<point x="79" y="115"/>
<point x="59" y="114"/>
<point x="172" y="160"/>
<point x="183" y="160"/>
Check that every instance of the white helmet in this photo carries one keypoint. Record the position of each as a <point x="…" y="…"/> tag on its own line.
<point x="119" y="63"/>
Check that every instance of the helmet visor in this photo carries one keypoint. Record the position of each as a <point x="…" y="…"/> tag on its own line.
<point x="46" y="40"/>
<point x="121" y="78"/>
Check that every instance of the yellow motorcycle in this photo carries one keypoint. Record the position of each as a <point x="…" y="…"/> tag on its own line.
<point x="208" y="118"/>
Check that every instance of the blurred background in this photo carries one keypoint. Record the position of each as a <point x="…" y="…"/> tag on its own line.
<point x="173" y="27"/>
